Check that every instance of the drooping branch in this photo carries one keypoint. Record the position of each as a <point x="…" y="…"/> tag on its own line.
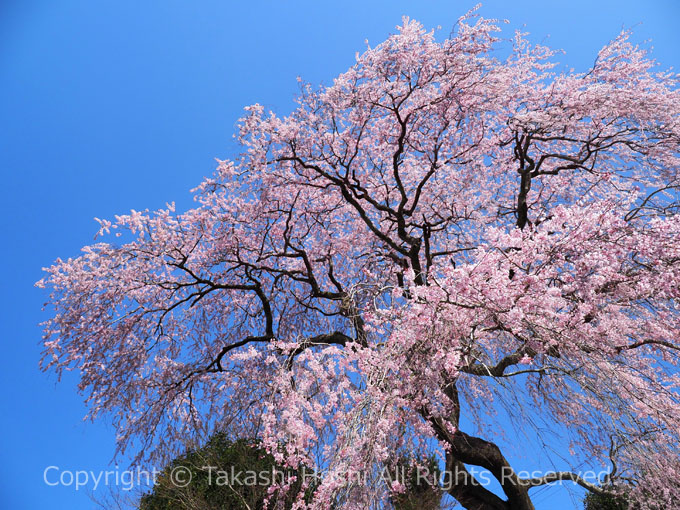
<point x="498" y="370"/>
<point x="562" y="475"/>
<point x="335" y="338"/>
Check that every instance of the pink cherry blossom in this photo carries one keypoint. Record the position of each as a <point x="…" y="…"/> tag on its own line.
<point x="441" y="244"/>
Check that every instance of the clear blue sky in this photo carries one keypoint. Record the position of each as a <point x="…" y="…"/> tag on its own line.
<point x="111" y="105"/>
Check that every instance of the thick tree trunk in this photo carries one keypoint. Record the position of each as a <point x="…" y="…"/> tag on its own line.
<point x="468" y="491"/>
<point x="475" y="451"/>
<point x="466" y="449"/>
<point x="472" y="494"/>
<point x="465" y="488"/>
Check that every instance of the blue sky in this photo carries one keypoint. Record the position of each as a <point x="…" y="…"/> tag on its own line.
<point x="111" y="105"/>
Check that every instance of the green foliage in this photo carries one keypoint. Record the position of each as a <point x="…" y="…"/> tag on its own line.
<point x="213" y="481"/>
<point x="605" y="502"/>
<point x="421" y="482"/>
<point x="225" y="475"/>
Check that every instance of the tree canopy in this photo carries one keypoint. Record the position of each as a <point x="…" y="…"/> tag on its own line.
<point x="596" y="501"/>
<point x="222" y="475"/>
<point x="450" y="240"/>
<point x="237" y="475"/>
